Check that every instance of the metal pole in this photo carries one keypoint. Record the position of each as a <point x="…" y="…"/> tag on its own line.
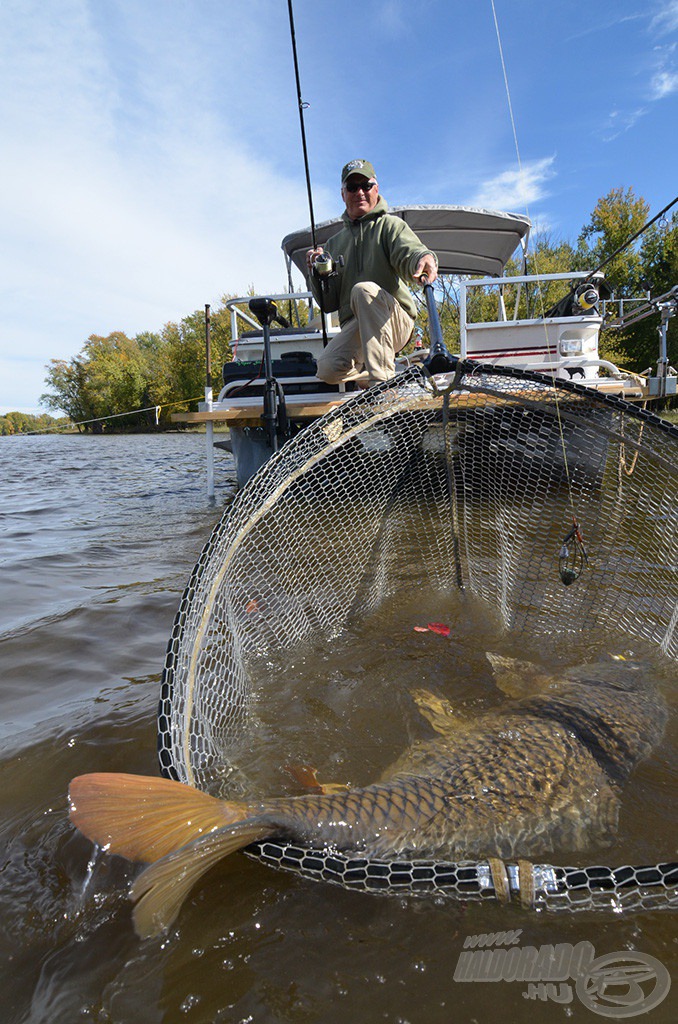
<point x="270" y="394"/>
<point x="209" y="425"/>
<point x="434" y="327"/>
<point x="439" y="359"/>
<point x="667" y="310"/>
<point x="209" y="441"/>
<point x="208" y="354"/>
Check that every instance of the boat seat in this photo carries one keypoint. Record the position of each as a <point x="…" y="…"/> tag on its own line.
<point x="290" y="364"/>
<point x="281" y="332"/>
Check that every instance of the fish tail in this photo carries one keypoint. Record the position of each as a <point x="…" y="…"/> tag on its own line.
<point x="181" y="831"/>
<point x="145" y="818"/>
<point x="160" y="890"/>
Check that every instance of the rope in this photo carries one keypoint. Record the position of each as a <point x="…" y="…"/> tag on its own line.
<point x="113" y="416"/>
<point x="623" y="468"/>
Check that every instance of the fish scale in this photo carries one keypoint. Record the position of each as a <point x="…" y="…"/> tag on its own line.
<point x="538" y="774"/>
<point x="519" y="782"/>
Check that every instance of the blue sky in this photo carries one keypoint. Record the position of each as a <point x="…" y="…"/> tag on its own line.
<point x="151" y="151"/>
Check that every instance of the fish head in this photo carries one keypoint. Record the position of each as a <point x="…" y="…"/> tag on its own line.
<point x="517" y="678"/>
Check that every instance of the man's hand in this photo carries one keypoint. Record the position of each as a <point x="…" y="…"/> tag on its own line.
<point x="427" y="265"/>
<point x="311" y="256"/>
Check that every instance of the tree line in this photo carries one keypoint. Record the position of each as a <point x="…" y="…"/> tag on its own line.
<point x="26" y="423"/>
<point x="144" y="379"/>
<point x="140" y="381"/>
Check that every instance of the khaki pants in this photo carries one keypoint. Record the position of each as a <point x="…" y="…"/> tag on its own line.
<point x="364" y="350"/>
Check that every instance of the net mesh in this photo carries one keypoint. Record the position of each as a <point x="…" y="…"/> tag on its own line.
<point x="492" y="466"/>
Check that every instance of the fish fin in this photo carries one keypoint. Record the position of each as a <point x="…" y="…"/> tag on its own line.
<point x="518" y="678"/>
<point x="437" y="711"/>
<point x="307" y="776"/>
<point x="304" y="774"/>
<point x="144" y="818"/>
<point x="161" y="889"/>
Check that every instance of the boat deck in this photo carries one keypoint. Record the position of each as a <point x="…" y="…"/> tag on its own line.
<point x="247" y="412"/>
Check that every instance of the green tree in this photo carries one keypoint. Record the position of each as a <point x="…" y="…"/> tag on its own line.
<point x="27" y="423"/>
<point x="659" y="255"/>
<point x="649" y="263"/>
<point x="659" y="260"/>
<point x="615" y="219"/>
<point x="548" y="255"/>
<point x="68" y="383"/>
<point x="178" y="371"/>
<point x="107" y="378"/>
<point x="117" y="376"/>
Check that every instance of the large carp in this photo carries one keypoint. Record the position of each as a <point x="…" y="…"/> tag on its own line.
<point x="542" y="772"/>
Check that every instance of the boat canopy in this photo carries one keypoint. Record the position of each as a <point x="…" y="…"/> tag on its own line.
<point x="466" y="240"/>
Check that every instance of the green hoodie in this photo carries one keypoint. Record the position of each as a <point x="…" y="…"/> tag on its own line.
<point x="377" y="247"/>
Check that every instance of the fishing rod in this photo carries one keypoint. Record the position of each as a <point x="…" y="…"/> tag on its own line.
<point x="579" y="292"/>
<point x="302" y="106"/>
<point x="628" y="241"/>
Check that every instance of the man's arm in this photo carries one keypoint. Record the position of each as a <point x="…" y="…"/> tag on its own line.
<point x="408" y="256"/>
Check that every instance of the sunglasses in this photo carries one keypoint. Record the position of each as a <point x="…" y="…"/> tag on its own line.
<point x="360" y="187"/>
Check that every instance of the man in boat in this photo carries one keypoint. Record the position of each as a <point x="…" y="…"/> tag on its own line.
<point x="381" y="257"/>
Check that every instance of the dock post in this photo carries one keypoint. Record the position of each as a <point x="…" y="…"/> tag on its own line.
<point x="209" y="426"/>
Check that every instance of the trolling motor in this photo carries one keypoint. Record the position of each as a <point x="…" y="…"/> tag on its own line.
<point x="438" y="359"/>
<point x="275" y="413"/>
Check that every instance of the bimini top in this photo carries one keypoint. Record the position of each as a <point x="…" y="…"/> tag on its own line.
<point x="465" y="240"/>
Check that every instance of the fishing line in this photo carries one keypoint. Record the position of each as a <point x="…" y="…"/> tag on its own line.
<point x="302" y="106"/>
<point x="567" y="573"/>
<point x="506" y="86"/>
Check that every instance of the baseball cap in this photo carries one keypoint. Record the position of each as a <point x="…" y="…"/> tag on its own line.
<point x="357" y="167"/>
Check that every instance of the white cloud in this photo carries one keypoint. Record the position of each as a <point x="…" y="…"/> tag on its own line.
<point x="518" y="188"/>
<point x="656" y="70"/>
<point x="129" y="197"/>
<point x="663" y="84"/>
<point x="620" y="121"/>
<point x="664" y="81"/>
<point x="589" y="27"/>
<point x="666" y="18"/>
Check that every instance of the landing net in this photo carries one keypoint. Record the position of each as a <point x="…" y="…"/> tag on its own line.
<point x="497" y="468"/>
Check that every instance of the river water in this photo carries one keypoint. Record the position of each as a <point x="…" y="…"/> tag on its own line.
<point x="99" y="535"/>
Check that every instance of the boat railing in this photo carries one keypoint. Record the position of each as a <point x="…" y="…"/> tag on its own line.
<point x="562" y="341"/>
<point x="617" y="308"/>
<point x="518" y="281"/>
<point x="242" y="321"/>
